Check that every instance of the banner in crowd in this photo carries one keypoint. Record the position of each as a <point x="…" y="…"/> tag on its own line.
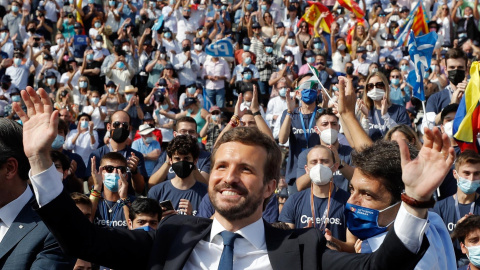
<point x="158" y="23"/>
<point x="221" y="48"/>
<point x="352" y="6"/>
<point x="420" y="50"/>
<point x="417" y="21"/>
<point x="313" y="13"/>
<point x="466" y="124"/>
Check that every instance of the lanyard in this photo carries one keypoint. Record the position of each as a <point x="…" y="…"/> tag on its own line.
<point x="310" y="125"/>
<point x="457" y="209"/>
<point x="381" y="127"/>
<point x="327" y="210"/>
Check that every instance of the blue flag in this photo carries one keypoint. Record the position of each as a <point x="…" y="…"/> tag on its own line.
<point x="221" y="48"/>
<point x="420" y="50"/>
<point x="158" y="24"/>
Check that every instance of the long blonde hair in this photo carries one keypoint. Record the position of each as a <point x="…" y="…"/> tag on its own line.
<point x="368" y="101"/>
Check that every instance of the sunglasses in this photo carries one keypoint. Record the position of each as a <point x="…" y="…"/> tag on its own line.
<point x="117" y="124"/>
<point x="381" y="15"/>
<point x="380" y="85"/>
<point x="111" y="169"/>
<point x="70" y="16"/>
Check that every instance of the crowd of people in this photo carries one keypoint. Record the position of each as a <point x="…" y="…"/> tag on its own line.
<point x="147" y="119"/>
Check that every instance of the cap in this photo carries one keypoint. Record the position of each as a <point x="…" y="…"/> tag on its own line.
<point x="361" y="49"/>
<point x="147" y="42"/>
<point x="291" y="34"/>
<point x="191" y="84"/>
<point x="287" y="53"/>
<point x="245" y="70"/>
<point x="189" y="101"/>
<point x="294" y="1"/>
<point x="281" y="60"/>
<point x="147" y="116"/>
<point x="390" y="60"/>
<point x="131" y="89"/>
<point x="166" y="29"/>
<point x="216" y="2"/>
<point x="198" y="41"/>
<point x="77" y="25"/>
<point x="117" y="42"/>
<point x="162" y="82"/>
<point x="317" y="40"/>
<point x="404" y="8"/>
<point x="163" y="50"/>
<point x="309" y="53"/>
<point x="159" y="97"/>
<point x="292" y="8"/>
<point x="84" y="114"/>
<point x="111" y="83"/>
<point x="98" y="38"/>
<point x="268" y="42"/>
<point x="390" y="37"/>
<point x="71" y="59"/>
<point x="412" y="110"/>
<point x="6" y="79"/>
<point x="47" y="43"/>
<point x="168" y="66"/>
<point x="68" y="14"/>
<point x="280" y="25"/>
<point x="145" y="129"/>
<point x="214" y="108"/>
<point x="256" y="25"/>
<point x="49" y="74"/>
<point x="4" y="28"/>
<point x="246" y="41"/>
<point x="41" y="8"/>
<point x="14" y="91"/>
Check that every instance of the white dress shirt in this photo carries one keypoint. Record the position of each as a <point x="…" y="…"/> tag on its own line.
<point x="187" y="72"/>
<point x="250" y="250"/>
<point x="9" y="212"/>
<point x="83" y="145"/>
<point x="275" y="106"/>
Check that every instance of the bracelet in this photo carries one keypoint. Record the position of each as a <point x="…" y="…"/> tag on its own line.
<point x="419" y="204"/>
<point x="93" y="198"/>
<point x="281" y="203"/>
<point x="233" y="124"/>
<point x="95" y="193"/>
<point x="257" y="113"/>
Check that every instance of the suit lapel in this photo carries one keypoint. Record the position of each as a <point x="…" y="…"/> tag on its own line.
<point x="21" y="226"/>
<point x="283" y="252"/>
<point x="181" y="248"/>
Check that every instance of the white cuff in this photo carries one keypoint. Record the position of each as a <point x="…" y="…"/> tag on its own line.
<point x="410" y="229"/>
<point x="47" y="185"/>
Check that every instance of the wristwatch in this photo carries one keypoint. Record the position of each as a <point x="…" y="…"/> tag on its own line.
<point x="341" y="165"/>
<point x="257" y="113"/>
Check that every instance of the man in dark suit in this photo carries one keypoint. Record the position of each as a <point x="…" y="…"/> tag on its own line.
<point x="25" y="242"/>
<point x="245" y="166"/>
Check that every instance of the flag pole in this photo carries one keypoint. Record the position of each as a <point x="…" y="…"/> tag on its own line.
<point x="315" y="76"/>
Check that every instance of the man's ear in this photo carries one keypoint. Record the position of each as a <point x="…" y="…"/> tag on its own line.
<point x="108" y="127"/>
<point x="455" y="174"/>
<point x="307" y="170"/>
<point x="130" y="224"/>
<point x="463" y="248"/>
<point x="270" y="188"/>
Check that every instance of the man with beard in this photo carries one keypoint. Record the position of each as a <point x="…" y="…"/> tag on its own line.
<point x="246" y="164"/>
<point x="119" y="128"/>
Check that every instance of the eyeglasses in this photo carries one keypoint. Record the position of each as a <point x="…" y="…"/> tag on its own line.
<point x="111" y="169"/>
<point x="117" y="124"/>
<point x="187" y="132"/>
<point x="380" y="85"/>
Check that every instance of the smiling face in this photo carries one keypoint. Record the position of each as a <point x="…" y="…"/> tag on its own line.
<point x="236" y="187"/>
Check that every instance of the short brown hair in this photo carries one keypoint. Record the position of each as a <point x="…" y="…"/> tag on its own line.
<point x="62" y="125"/>
<point x="113" y="156"/>
<point x="253" y="136"/>
<point x="470" y="224"/>
<point x="467" y="156"/>
<point x="455" y="53"/>
<point x="80" y="198"/>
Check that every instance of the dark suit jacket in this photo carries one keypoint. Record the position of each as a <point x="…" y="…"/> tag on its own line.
<point x="29" y="245"/>
<point x="176" y="237"/>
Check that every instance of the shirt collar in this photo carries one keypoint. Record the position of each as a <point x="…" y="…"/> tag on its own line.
<point x="253" y="233"/>
<point x="9" y="212"/>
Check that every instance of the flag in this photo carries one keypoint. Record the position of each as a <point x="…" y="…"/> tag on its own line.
<point x="221" y="48"/>
<point x="352" y="6"/>
<point x="420" y="21"/>
<point x="417" y="20"/>
<point x="401" y="33"/>
<point x="313" y="13"/>
<point x="420" y="50"/>
<point x="316" y="79"/>
<point x="349" y="39"/>
<point x="158" y="23"/>
<point x="466" y="124"/>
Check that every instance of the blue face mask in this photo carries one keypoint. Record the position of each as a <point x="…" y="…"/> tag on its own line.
<point x="58" y="142"/>
<point x="89" y="57"/>
<point x="403" y="67"/>
<point x="17" y="61"/>
<point x="310" y="60"/>
<point x="334" y="88"/>
<point x="120" y="65"/>
<point x="128" y="97"/>
<point x="467" y="186"/>
<point x="282" y="91"/>
<point x="291" y="41"/>
<point x="247" y="76"/>
<point x="395" y="81"/>
<point x="214" y="118"/>
<point x="164" y="106"/>
<point x="15" y="8"/>
<point x="248" y="60"/>
<point x="363" y="222"/>
<point x="190" y="110"/>
<point x="263" y="7"/>
<point x="269" y="49"/>
<point x="474" y="255"/>
<point x="82" y="84"/>
<point x="249" y="6"/>
<point x="317" y="46"/>
<point x="246" y="47"/>
<point x="111" y="90"/>
<point x="16" y="98"/>
<point x="98" y="25"/>
<point x="94" y="100"/>
<point x="51" y="81"/>
<point x="84" y="124"/>
<point x="149" y="140"/>
<point x="110" y="181"/>
<point x="309" y="95"/>
<point x="167" y="35"/>
<point x="111" y="3"/>
<point x="191" y="90"/>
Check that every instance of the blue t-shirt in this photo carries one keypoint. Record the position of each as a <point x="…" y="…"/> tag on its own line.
<point x="446" y="210"/>
<point x="141" y="147"/>
<point x="397" y="114"/>
<point x="203" y="163"/>
<point x="127" y="152"/>
<point x="344" y="151"/>
<point x="166" y="191"/>
<point x="270" y="214"/>
<point x="110" y="214"/>
<point x="439" y="100"/>
<point x="298" y="140"/>
<point x="80" y="44"/>
<point x="297" y="210"/>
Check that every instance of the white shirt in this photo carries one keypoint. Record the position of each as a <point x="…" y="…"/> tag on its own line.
<point x="250" y="252"/>
<point x="275" y="106"/>
<point x="410" y="229"/>
<point x="83" y="145"/>
<point x="9" y="212"/>
<point x="98" y="123"/>
<point x="187" y="72"/>
<point x="184" y="25"/>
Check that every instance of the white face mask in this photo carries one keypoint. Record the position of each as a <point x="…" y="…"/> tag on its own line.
<point x="433" y="67"/>
<point x="341" y="47"/>
<point x="376" y="94"/>
<point x="281" y="66"/>
<point x="391" y="43"/>
<point x="126" y="48"/>
<point x="329" y="136"/>
<point x="321" y="174"/>
<point x="98" y="44"/>
<point x="448" y="128"/>
<point x="369" y="48"/>
<point x="289" y="59"/>
<point x="162" y="56"/>
<point x="198" y="47"/>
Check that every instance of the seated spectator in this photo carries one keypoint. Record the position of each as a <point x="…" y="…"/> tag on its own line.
<point x="184" y="191"/>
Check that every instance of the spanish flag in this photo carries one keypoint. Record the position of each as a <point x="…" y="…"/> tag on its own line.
<point x="313" y="13"/>
<point x="352" y="6"/>
<point x="466" y="124"/>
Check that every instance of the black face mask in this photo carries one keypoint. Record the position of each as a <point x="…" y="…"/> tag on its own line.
<point x="186" y="48"/>
<point x="5" y="86"/>
<point x="117" y="49"/>
<point x="393" y="3"/>
<point x="36" y="44"/>
<point x="186" y="17"/>
<point x="120" y="135"/>
<point x="144" y="17"/>
<point x="31" y="30"/>
<point x="456" y="76"/>
<point x="349" y="70"/>
<point x="183" y="168"/>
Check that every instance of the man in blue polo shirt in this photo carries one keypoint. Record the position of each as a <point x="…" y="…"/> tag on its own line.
<point x="148" y="146"/>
